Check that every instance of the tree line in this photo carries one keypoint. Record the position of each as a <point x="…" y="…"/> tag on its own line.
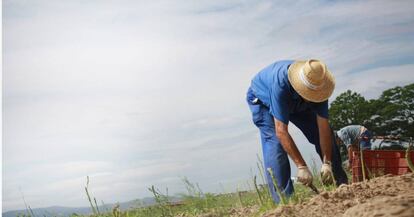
<point x="392" y="114"/>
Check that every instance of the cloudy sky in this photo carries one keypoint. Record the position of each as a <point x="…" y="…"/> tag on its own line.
<point x="141" y="93"/>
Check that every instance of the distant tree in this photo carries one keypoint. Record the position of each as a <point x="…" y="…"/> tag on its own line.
<point x="348" y="108"/>
<point x="391" y="114"/>
<point x="395" y="112"/>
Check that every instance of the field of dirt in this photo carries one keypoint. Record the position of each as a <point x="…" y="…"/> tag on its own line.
<point x="382" y="196"/>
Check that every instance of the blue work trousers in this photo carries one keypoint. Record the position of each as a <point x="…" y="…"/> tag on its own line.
<point x="276" y="158"/>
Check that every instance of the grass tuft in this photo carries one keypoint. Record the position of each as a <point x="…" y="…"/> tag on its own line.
<point x="195" y="202"/>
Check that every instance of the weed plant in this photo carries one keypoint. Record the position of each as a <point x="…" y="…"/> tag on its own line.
<point x="197" y="203"/>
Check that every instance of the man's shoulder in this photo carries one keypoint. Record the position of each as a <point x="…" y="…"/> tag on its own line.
<point x="275" y="73"/>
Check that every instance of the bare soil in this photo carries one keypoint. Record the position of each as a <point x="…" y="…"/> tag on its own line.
<point x="382" y="196"/>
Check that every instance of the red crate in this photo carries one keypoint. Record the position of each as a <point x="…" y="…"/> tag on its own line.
<point x="378" y="163"/>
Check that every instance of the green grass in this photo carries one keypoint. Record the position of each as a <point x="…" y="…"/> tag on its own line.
<point x="195" y="203"/>
<point x="213" y="204"/>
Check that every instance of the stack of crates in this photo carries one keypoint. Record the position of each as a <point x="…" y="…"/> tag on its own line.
<point x="378" y="163"/>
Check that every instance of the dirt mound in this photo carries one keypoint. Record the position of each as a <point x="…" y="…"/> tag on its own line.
<point x="394" y="206"/>
<point x="382" y="196"/>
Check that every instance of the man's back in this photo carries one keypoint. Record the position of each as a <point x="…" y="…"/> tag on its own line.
<point x="350" y="134"/>
<point x="271" y="85"/>
<point x="273" y="76"/>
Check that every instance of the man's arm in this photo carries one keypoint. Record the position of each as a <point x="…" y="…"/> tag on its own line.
<point x="288" y="144"/>
<point x="325" y="138"/>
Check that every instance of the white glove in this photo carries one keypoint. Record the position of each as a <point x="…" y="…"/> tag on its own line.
<point x="304" y="175"/>
<point x="326" y="173"/>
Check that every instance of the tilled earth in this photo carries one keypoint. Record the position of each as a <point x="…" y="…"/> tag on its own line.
<point x="382" y="196"/>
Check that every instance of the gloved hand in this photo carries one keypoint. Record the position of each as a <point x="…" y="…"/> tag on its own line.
<point x="326" y="173"/>
<point x="304" y="175"/>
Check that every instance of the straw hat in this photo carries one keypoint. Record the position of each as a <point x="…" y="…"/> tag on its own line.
<point x="312" y="80"/>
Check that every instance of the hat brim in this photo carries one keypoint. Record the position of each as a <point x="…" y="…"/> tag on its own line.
<point x="305" y="92"/>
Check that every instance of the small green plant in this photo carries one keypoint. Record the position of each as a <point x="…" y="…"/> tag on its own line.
<point x="95" y="209"/>
<point x="275" y="184"/>
<point x="259" y="194"/>
<point x="193" y="189"/>
<point x="239" y="196"/>
<point x="116" y="211"/>
<point x="266" y="195"/>
<point x="197" y="203"/>
<point x="195" y="198"/>
<point x="29" y="210"/>
<point x="317" y="180"/>
<point x="316" y="177"/>
<point x="162" y="201"/>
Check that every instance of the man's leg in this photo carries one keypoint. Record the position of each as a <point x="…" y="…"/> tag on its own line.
<point x="306" y="122"/>
<point x="274" y="156"/>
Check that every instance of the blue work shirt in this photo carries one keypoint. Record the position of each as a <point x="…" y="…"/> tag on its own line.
<point x="271" y="86"/>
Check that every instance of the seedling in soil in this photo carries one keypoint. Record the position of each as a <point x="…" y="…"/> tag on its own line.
<point x="279" y="193"/>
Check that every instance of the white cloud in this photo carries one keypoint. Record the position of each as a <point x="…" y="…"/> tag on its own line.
<point x="371" y="83"/>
